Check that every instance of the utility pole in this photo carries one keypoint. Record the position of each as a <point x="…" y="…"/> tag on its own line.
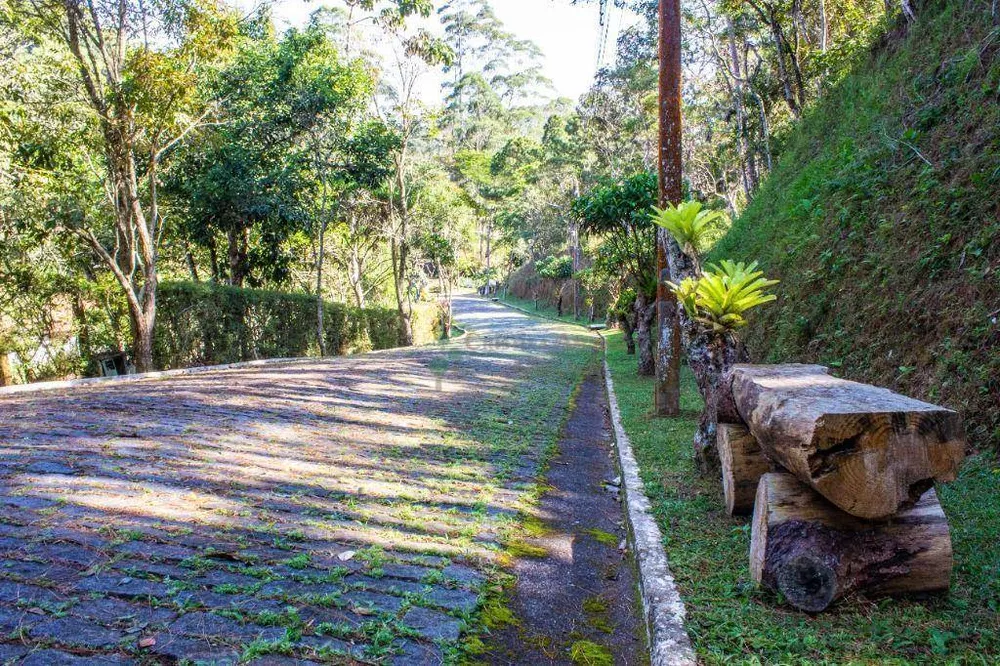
<point x="668" y="347"/>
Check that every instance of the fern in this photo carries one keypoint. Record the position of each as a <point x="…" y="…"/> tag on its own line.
<point x="686" y="222"/>
<point x="723" y="293"/>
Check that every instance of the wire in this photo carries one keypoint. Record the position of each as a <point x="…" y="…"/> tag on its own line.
<point x="604" y="25"/>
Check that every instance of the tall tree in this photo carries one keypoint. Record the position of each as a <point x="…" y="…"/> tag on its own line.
<point x="617" y="214"/>
<point x="244" y="183"/>
<point x="668" y="348"/>
<point x="136" y="65"/>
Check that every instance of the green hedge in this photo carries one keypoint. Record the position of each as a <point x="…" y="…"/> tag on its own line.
<point x="200" y="323"/>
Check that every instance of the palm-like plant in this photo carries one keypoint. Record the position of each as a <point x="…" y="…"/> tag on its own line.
<point x="686" y="222"/>
<point x="722" y="294"/>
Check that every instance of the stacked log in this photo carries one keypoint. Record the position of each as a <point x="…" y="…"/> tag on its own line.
<point x="845" y="498"/>
<point x="814" y="553"/>
<point x="743" y="463"/>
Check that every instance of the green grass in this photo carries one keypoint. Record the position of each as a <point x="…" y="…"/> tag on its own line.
<point x="551" y="312"/>
<point x="730" y="621"/>
<point x="589" y="653"/>
<point x="881" y="221"/>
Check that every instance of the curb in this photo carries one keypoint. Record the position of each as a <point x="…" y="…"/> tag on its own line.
<point x="663" y="608"/>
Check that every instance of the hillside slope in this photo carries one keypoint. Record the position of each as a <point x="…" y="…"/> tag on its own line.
<point x="882" y="220"/>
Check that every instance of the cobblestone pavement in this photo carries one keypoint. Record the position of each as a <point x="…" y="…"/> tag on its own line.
<point x="334" y="511"/>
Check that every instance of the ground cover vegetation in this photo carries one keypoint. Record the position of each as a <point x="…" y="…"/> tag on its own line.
<point x="188" y="183"/>
<point x="731" y="620"/>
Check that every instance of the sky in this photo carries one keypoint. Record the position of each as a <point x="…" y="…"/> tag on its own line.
<point x="568" y="35"/>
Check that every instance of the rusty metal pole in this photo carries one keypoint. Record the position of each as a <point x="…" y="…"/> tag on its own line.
<point x="668" y="347"/>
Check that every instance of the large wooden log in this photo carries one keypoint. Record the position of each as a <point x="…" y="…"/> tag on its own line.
<point x="868" y="450"/>
<point x="743" y="463"/>
<point x="813" y="553"/>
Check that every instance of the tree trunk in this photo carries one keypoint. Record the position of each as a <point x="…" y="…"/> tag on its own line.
<point x="213" y="256"/>
<point x="237" y="252"/>
<point x="867" y="450"/>
<point x="320" y="256"/>
<point x="711" y="356"/>
<point x="748" y="174"/>
<point x="142" y="340"/>
<point x="191" y="265"/>
<point x="354" y="276"/>
<point x="779" y="47"/>
<point x="743" y="463"/>
<point x="644" y="315"/>
<point x="667" y="392"/>
<point x="629" y="332"/>
<point x="6" y="372"/>
<point x="813" y="553"/>
<point x="403" y="306"/>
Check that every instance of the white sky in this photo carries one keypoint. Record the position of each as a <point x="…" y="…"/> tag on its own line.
<point x="568" y="35"/>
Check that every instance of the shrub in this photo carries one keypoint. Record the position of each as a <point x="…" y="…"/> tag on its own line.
<point x="199" y="323"/>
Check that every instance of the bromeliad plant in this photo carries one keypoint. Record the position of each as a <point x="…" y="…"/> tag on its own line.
<point x="721" y="295"/>
<point x="687" y="222"/>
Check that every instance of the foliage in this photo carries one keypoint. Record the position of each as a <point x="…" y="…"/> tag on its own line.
<point x="555" y="268"/>
<point x="623" y="306"/>
<point x="882" y="223"/>
<point x="202" y="324"/>
<point x="723" y="293"/>
<point x="616" y="213"/>
<point x="730" y="619"/>
<point x="687" y="222"/>
<point x="242" y="185"/>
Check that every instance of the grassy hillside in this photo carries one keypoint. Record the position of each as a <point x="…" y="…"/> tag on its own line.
<point x="882" y="220"/>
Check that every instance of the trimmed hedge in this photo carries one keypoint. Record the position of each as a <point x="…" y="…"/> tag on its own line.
<point x="200" y="323"/>
<point x="525" y="283"/>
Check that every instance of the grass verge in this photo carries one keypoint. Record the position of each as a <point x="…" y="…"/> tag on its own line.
<point x="548" y="311"/>
<point x="730" y="621"/>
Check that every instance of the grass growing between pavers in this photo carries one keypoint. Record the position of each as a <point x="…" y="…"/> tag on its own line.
<point x="522" y="433"/>
<point x="730" y="621"/>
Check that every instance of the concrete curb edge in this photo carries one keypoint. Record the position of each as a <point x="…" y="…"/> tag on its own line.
<point x="663" y="608"/>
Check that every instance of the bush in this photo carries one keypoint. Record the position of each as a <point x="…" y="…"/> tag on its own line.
<point x="199" y="323"/>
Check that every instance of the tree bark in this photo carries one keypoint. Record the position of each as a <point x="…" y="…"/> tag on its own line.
<point x="191" y="265"/>
<point x="813" y="553"/>
<point x="320" y="256"/>
<point x="354" y="276"/>
<point x="6" y="373"/>
<point x="629" y="332"/>
<point x="667" y="392"/>
<point x="869" y="451"/>
<point x="748" y="171"/>
<point x="399" y="258"/>
<point x="644" y="315"/>
<point x="743" y="463"/>
<point x="711" y="355"/>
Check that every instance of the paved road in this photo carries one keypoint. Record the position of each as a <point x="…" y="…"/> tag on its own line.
<point x="287" y="514"/>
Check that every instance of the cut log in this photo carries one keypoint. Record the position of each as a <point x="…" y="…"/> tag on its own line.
<point x="728" y="412"/>
<point x="814" y="553"/>
<point x="868" y="450"/>
<point x="743" y="463"/>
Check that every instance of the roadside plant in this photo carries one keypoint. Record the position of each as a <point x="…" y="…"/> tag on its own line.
<point x="687" y="222"/>
<point x="722" y="294"/>
<point x="715" y="304"/>
<point x="559" y="270"/>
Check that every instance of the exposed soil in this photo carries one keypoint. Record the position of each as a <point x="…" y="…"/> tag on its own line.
<point x="583" y="592"/>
